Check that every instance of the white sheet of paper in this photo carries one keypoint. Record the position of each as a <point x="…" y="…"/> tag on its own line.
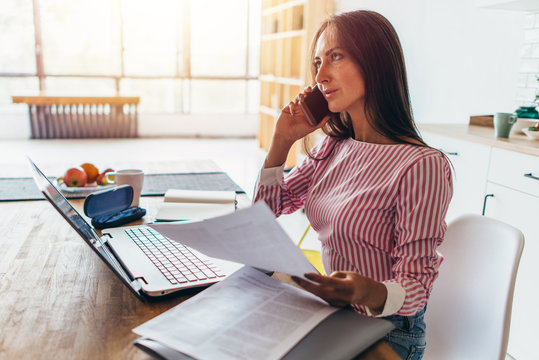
<point x="249" y="236"/>
<point x="246" y="316"/>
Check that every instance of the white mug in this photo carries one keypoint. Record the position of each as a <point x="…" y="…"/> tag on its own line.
<point x="132" y="177"/>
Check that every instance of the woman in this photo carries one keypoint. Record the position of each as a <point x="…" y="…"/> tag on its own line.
<point x="373" y="190"/>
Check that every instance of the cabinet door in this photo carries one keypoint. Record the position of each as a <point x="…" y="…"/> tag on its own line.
<point x="470" y="168"/>
<point x="520" y="210"/>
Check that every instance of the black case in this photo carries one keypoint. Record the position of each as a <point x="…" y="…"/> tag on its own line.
<point x="112" y="207"/>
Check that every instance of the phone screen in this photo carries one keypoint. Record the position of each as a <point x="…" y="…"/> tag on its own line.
<point x="315" y="106"/>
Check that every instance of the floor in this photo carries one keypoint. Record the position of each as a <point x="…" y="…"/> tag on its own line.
<point x="240" y="158"/>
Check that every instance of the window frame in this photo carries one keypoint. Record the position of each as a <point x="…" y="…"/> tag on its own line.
<point x="181" y="57"/>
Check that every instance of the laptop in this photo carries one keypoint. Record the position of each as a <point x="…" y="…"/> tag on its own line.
<point x="148" y="263"/>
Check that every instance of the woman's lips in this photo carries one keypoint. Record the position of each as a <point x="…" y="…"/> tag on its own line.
<point x="329" y="93"/>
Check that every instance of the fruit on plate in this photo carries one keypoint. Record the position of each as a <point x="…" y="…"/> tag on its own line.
<point x="91" y="172"/>
<point x="75" y="177"/>
<point x="101" y="180"/>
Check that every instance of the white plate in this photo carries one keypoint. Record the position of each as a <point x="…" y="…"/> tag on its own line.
<point x="64" y="188"/>
<point x="521" y="124"/>
<point x="531" y="134"/>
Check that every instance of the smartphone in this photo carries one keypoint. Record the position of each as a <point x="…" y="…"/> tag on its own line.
<point x="315" y="106"/>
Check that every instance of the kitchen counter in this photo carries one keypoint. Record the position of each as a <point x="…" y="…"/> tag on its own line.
<point x="484" y="135"/>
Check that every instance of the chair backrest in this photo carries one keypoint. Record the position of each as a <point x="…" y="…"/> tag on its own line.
<point x="469" y="311"/>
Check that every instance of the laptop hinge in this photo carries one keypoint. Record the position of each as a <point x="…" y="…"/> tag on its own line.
<point x="137" y="284"/>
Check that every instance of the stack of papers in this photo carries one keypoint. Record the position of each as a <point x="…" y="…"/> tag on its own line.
<point x="249" y="315"/>
<point x="195" y="204"/>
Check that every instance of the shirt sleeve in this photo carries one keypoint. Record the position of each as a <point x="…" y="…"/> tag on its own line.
<point x="284" y="195"/>
<point x="394" y="301"/>
<point x="424" y="195"/>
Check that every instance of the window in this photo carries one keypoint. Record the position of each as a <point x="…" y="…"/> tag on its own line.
<point x="179" y="56"/>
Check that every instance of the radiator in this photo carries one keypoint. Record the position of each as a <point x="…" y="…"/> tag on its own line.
<point x="81" y="117"/>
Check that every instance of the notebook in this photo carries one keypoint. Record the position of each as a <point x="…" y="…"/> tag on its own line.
<point x="181" y="204"/>
<point x="149" y="264"/>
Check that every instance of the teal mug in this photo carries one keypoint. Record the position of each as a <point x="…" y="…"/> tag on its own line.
<point x="503" y="122"/>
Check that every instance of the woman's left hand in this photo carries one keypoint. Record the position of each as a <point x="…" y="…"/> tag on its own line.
<point x="343" y="288"/>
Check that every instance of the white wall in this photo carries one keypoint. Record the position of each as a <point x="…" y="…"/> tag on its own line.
<point x="462" y="60"/>
<point x="529" y="65"/>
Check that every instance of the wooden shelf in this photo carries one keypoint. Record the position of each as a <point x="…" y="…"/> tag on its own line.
<point x="269" y="111"/>
<point x="273" y="8"/>
<point x="283" y="35"/>
<point x="287" y="30"/>
<point x="282" y="80"/>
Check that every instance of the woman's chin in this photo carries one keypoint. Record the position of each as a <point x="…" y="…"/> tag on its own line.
<point x="334" y="109"/>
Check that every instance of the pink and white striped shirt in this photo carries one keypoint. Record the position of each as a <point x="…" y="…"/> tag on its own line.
<point x="378" y="210"/>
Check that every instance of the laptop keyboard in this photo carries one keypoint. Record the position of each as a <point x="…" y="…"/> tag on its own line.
<point x="174" y="260"/>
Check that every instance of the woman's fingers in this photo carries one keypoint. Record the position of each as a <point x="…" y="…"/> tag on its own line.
<point x="325" y="292"/>
<point x="332" y="289"/>
<point x="291" y="108"/>
<point x="321" y="279"/>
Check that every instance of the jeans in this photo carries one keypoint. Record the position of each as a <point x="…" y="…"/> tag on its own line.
<point x="408" y="337"/>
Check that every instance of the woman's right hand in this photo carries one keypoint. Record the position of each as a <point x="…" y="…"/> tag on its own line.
<point x="292" y="124"/>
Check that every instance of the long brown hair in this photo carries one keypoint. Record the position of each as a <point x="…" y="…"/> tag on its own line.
<point x="372" y="42"/>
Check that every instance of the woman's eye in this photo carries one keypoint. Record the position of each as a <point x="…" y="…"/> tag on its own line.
<point x="316" y="64"/>
<point x="336" y="56"/>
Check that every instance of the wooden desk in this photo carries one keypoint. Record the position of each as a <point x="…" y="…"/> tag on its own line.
<point x="60" y="301"/>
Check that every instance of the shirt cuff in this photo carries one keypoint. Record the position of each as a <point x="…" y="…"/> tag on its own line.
<point x="394" y="300"/>
<point x="271" y="176"/>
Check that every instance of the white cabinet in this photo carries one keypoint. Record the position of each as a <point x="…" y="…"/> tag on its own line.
<point x="521" y="210"/>
<point x="512" y="178"/>
<point x="470" y="166"/>
<point x="515" y="170"/>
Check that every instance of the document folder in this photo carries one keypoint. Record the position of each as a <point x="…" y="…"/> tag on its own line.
<point x="342" y="335"/>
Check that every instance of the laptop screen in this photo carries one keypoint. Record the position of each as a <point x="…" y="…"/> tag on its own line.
<point x="62" y="205"/>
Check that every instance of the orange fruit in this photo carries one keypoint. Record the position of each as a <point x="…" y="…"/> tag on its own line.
<point x="91" y="172"/>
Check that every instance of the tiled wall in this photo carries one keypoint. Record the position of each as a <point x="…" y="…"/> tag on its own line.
<point x="528" y="85"/>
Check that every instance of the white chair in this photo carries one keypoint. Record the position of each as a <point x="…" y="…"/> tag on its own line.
<point x="469" y="311"/>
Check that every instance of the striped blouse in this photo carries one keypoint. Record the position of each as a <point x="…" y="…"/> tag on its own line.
<point x="378" y="210"/>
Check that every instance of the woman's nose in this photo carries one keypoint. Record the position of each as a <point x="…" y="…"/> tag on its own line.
<point x="322" y="74"/>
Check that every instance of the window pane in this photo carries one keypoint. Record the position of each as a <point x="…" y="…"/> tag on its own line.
<point x="150" y="37"/>
<point x="218" y="96"/>
<point x="81" y="37"/>
<point x="16" y="87"/>
<point x="17" y="37"/>
<point x="255" y="15"/>
<point x="72" y="86"/>
<point x="218" y="37"/>
<point x="156" y="96"/>
<point x="253" y="94"/>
